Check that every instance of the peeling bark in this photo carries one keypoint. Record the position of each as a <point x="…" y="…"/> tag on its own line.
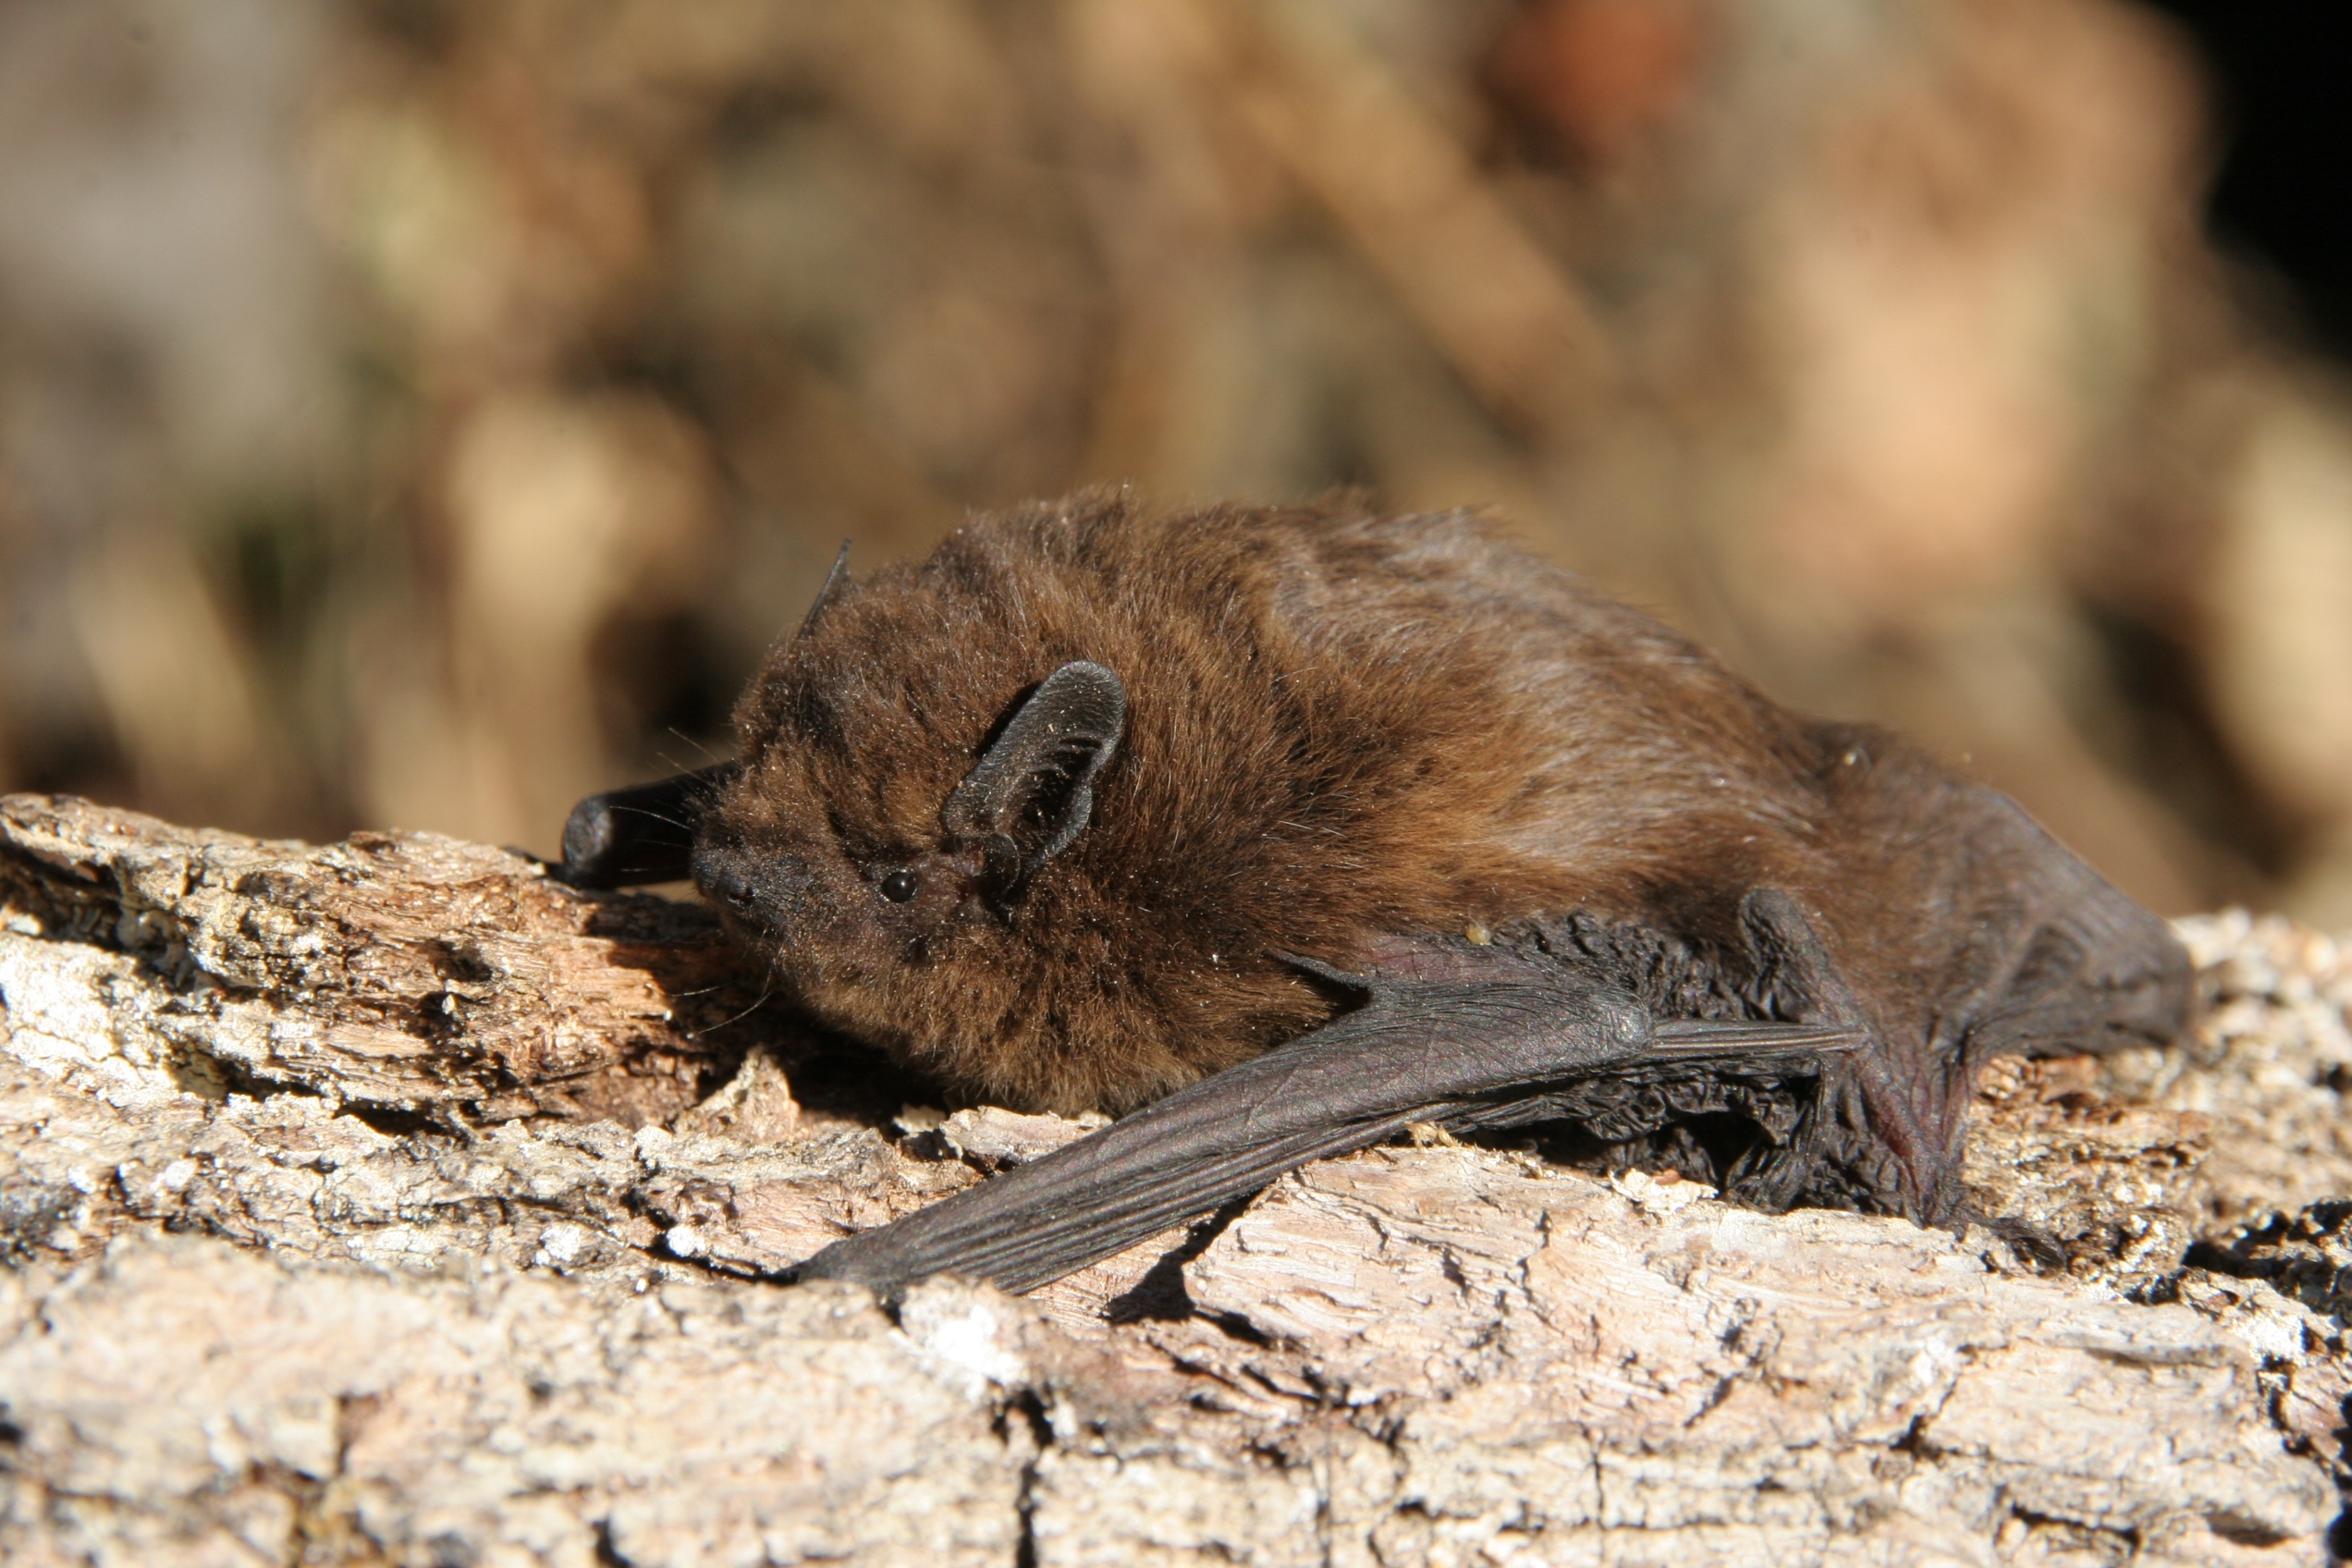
<point x="384" y="1201"/>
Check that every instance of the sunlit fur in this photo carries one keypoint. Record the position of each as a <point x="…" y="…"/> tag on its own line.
<point x="1340" y="727"/>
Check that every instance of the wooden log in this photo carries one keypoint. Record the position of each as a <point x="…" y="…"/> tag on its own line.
<point x="386" y="1202"/>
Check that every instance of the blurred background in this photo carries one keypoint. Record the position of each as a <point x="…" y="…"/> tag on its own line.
<point x="423" y="413"/>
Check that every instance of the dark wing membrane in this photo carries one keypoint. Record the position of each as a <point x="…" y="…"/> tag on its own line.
<point x="1454" y="1052"/>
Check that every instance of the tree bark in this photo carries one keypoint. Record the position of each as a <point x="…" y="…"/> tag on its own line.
<point x="386" y="1202"/>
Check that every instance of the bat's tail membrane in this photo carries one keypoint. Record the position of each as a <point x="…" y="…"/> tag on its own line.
<point x="1455" y="1051"/>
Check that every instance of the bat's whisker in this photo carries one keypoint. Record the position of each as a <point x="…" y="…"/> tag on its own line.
<point x="766" y="991"/>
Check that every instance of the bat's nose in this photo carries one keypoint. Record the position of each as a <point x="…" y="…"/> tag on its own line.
<point x="724" y="877"/>
<point x="761" y="889"/>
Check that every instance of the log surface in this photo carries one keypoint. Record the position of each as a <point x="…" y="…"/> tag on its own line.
<point x="384" y="1201"/>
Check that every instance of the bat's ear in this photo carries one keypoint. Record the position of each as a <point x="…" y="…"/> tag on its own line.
<point x="837" y="582"/>
<point x="1032" y="792"/>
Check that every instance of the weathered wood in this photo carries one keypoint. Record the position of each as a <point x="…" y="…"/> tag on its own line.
<point x="384" y="1201"/>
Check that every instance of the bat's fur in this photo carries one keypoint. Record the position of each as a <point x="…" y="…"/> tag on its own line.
<point x="1341" y="728"/>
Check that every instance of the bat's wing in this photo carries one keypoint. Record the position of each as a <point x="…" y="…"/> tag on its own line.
<point x="1460" y="1052"/>
<point x="628" y="837"/>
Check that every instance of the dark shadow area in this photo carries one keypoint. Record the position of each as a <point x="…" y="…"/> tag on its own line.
<point x="1160" y="1295"/>
<point x="2281" y="195"/>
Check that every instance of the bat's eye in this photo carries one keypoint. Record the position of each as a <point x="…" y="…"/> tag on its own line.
<point x="900" y="886"/>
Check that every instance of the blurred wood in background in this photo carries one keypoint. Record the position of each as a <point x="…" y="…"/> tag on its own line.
<point x="421" y="413"/>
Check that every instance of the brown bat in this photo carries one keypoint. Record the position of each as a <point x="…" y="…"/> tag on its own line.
<point x="1277" y="830"/>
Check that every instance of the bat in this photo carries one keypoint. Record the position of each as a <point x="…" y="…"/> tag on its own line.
<point x="1276" y="830"/>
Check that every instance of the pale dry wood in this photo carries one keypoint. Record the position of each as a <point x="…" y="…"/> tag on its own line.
<point x="359" y="1209"/>
<point x="400" y="971"/>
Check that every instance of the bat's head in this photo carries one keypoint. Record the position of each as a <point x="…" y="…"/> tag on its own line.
<point x="822" y="865"/>
<point x="938" y="843"/>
